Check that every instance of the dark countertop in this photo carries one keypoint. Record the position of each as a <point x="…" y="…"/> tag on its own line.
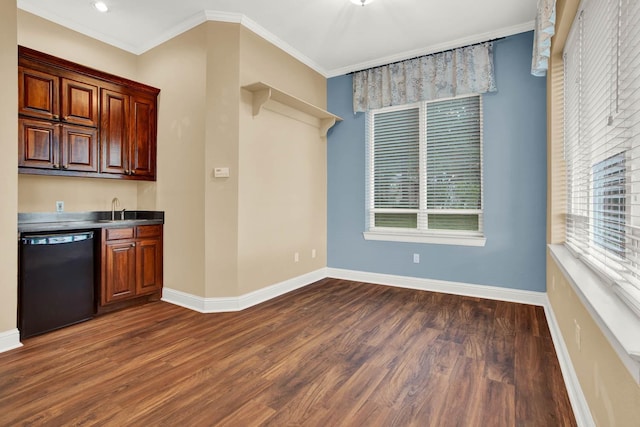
<point x="64" y="221"/>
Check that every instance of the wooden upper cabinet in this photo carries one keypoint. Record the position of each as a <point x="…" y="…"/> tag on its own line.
<point x="79" y="148"/>
<point x="128" y="139"/>
<point x="75" y="120"/>
<point x="45" y="145"/>
<point x="142" y="151"/>
<point x="114" y="136"/>
<point x="79" y="103"/>
<point x="38" y="94"/>
<point x="38" y="144"/>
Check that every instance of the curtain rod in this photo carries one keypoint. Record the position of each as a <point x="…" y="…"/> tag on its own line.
<point x="429" y="54"/>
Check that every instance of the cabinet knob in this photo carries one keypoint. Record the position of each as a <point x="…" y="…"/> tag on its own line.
<point x="65" y="167"/>
<point x="132" y="172"/>
<point x="56" y="166"/>
<point x="133" y="245"/>
<point x="56" y="117"/>
<point x="127" y="172"/>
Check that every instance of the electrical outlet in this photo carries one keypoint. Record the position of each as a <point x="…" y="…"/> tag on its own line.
<point x="416" y="258"/>
<point x="296" y="257"/>
<point x="577" y="333"/>
<point x="59" y="206"/>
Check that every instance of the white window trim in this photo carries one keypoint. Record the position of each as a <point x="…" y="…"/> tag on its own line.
<point x="438" y="237"/>
<point x="617" y="321"/>
<point x="433" y="238"/>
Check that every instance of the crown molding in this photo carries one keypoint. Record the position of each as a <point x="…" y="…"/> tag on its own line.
<point x="184" y="26"/>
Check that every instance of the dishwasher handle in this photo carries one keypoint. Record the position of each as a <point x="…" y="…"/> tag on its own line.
<point x="56" y="239"/>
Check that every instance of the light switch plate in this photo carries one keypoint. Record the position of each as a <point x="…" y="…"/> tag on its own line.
<point x="59" y="206"/>
<point x="221" y="172"/>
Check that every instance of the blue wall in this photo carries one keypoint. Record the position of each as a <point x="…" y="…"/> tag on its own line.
<point x="514" y="191"/>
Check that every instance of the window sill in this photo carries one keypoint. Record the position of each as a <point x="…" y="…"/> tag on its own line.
<point x="616" y="320"/>
<point x="443" y="239"/>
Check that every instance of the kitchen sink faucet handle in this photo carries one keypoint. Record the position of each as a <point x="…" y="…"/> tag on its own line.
<point x="114" y="204"/>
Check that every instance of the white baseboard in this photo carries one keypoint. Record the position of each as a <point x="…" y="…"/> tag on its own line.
<point x="455" y="288"/>
<point x="224" y="304"/>
<point x="574" y="390"/>
<point x="9" y="340"/>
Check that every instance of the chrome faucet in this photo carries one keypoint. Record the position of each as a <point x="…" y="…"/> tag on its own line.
<point x="122" y="215"/>
<point x="114" y="204"/>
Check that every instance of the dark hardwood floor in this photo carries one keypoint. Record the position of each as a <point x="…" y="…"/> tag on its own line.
<point x="335" y="353"/>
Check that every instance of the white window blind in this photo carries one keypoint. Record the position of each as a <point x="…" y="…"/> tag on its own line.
<point x="454" y="170"/>
<point x="602" y="141"/>
<point x="424" y="170"/>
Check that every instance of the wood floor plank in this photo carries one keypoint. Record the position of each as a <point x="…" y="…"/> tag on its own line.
<point x="335" y="353"/>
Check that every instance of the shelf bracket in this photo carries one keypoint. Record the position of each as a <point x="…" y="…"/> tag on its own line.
<point x="325" y="125"/>
<point x="260" y="98"/>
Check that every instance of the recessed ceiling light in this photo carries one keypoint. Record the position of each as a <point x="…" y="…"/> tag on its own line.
<point x="101" y="6"/>
<point x="361" y="2"/>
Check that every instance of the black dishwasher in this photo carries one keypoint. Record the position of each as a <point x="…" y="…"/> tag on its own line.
<point x="56" y="281"/>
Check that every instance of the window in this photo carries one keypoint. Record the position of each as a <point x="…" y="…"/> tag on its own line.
<point x="424" y="174"/>
<point x="602" y="142"/>
<point x="609" y="204"/>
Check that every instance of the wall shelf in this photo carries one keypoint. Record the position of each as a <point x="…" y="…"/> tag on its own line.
<point x="262" y="93"/>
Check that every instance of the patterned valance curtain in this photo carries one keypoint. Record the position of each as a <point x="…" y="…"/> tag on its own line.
<point x="467" y="70"/>
<point x="544" y="30"/>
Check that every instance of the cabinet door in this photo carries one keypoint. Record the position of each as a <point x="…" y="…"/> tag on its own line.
<point x="114" y="136"/>
<point x="38" y="144"/>
<point x="38" y="94"/>
<point x="79" y="102"/>
<point x="79" y="149"/>
<point x="148" y="266"/>
<point x="119" y="271"/>
<point x="142" y="152"/>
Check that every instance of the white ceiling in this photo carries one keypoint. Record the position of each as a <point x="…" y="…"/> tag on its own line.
<point x="332" y="36"/>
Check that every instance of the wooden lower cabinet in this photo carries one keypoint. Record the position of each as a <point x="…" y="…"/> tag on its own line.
<point x="131" y="263"/>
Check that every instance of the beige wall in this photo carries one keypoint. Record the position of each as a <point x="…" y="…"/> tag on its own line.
<point x="221" y="149"/>
<point x="39" y="193"/>
<point x="282" y="189"/>
<point x="178" y="67"/>
<point x="611" y="392"/>
<point x="8" y="166"/>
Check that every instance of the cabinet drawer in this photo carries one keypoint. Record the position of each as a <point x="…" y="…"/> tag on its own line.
<point x="148" y="231"/>
<point x="119" y="233"/>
